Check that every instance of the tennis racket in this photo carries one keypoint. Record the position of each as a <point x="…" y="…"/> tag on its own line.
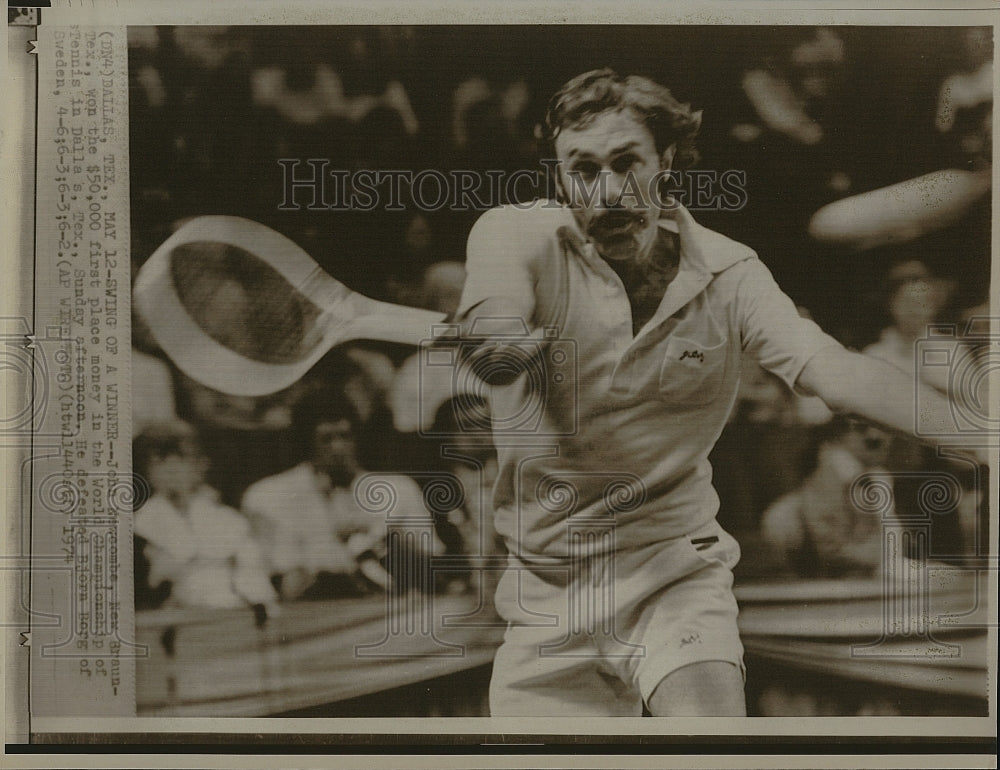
<point x="243" y="310"/>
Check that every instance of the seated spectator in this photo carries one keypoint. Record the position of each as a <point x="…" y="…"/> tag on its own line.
<point x="419" y="389"/>
<point x="465" y="447"/>
<point x="758" y="458"/>
<point x="915" y="300"/>
<point x="965" y="102"/>
<point x="204" y="549"/>
<point x="314" y="91"/>
<point x="787" y="94"/>
<point x="817" y="529"/>
<point x="462" y="451"/>
<point x="320" y="542"/>
<point x="442" y="286"/>
<point x="410" y="244"/>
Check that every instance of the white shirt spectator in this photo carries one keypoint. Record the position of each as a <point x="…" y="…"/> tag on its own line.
<point x="309" y="524"/>
<point x="207" y="552"/>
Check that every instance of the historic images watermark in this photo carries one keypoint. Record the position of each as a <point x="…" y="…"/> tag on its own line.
<point x="313" y="185"/>
<point x="962" y="361"/>
<point x="497" y="350"/>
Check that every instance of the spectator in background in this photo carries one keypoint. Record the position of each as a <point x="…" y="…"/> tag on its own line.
<point x="965" y="103"/>
<point x="915" y="301"/>
<point x="419" y="391"/>
<point x="373" y="375"/>
<point x="758" y="456"/>
<point x="795" y="137"/>
<point x="465" y="450"/>
<point x="344" y="84"/>
<point x="817" y="529"/>
<point x="476" y="103"/>
<point x="442" y="286"/>
<point x="364" y="373"/>
<point x="310" y="95"/>
<point x="187" y="538"/>
<point x="795" y="96"/>
<point x="320" y="542"/>
<point x="491" y="132"/>
<point x="789" y="94"/>
<point x="410" y="245"/>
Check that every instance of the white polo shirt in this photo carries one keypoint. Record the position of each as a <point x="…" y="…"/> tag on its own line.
<point x="615" y="427"/>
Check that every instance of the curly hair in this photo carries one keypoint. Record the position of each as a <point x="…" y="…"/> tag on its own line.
<point x="318" y="405"/>
<point x="162" y="439"/>
<point x="598" y="91"/>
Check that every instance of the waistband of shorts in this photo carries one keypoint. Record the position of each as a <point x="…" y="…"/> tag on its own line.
<point x="523" y="558"/>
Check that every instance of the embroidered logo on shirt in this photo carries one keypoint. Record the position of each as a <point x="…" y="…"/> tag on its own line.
<point x="696" y="354"/>
<point x="692" y="639"/>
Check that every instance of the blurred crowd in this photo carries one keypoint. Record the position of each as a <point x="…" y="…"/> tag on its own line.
<point x="255" y="500"/>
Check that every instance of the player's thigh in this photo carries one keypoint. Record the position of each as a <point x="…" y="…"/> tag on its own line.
<point x="529" y="679"/>
<point x="712" y="688"/>
<point x="691" y="620"/>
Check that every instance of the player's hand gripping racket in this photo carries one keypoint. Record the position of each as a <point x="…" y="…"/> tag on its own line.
<point x="244" y="310"/>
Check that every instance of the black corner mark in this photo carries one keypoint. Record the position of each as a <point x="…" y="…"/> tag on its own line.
<point x="21" y="15"/>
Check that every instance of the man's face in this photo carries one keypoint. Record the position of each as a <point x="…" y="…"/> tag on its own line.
<point x="179" y="473"/>
<point x="914" y="306"/>
<point x="609" y="171"/>
<point x="334" y="448"/>
<point x="868" y="443"/>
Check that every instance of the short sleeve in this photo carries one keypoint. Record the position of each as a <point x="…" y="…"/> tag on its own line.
<point x="156" y="523"/>
<point x="500" y="260"/>
<point x="773" y="332"/>
<point x="280" y="545"/>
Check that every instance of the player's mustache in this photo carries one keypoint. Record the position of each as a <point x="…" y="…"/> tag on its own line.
<point x="614" y="219"/>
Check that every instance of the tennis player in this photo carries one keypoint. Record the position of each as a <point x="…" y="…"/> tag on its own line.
<point x="659" y="311"/>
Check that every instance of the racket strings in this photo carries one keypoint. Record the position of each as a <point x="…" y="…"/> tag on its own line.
<point x="243" y="303"/>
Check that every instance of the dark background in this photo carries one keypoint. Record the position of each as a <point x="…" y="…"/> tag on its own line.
<point x="208" y="148"/>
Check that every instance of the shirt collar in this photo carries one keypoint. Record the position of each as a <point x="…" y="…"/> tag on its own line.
<point x="703" y="253"/>
<point x="706" y="249"/>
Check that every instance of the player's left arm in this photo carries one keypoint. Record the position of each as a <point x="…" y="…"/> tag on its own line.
<point x="879" y="392"/>
<point x="812" y="362"/>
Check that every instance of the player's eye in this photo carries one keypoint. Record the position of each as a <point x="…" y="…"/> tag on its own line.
<point x="585" y="170"/>
<point x="623" y="163"/>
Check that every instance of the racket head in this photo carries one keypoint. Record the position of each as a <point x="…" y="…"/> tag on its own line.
<point x="245" y="311"/>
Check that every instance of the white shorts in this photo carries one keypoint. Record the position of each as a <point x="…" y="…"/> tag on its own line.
<point x="598" y="642"/>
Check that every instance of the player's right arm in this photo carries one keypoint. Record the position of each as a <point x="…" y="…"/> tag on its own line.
<point x="498" y="301"/>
